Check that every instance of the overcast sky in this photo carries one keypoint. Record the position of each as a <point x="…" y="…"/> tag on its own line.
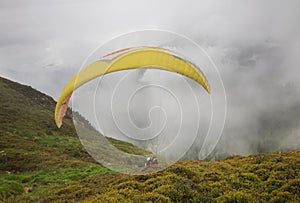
<point x="255" y="44"/>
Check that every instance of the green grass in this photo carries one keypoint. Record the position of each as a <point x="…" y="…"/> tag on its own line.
<point x="128" y="147"/>
<point x="14" y="184"/>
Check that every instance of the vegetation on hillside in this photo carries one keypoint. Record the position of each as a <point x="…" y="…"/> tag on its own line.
<point x="29" y="138"/>
<point x="40" y="163"/>
<point x="256" y="178"/>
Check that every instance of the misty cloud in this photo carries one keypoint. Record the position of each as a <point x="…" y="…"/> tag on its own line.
<point x="255" y="45"/>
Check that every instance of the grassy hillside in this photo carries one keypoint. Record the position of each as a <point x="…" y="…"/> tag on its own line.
<point x="40" y="163"/>
<point x="34" y="148"/>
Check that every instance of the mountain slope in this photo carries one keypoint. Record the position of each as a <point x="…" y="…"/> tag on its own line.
<point x="31" y="143"/>
<point x="40" y="163"/>
<point x="28" y="133"/>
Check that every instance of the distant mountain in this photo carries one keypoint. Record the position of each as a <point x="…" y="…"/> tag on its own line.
<point x="41" y="163"/>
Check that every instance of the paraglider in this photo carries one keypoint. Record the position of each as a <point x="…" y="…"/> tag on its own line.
<point x="127" y="59"/>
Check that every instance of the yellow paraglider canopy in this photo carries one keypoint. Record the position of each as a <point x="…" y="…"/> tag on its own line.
<point x="126" y="59"/>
